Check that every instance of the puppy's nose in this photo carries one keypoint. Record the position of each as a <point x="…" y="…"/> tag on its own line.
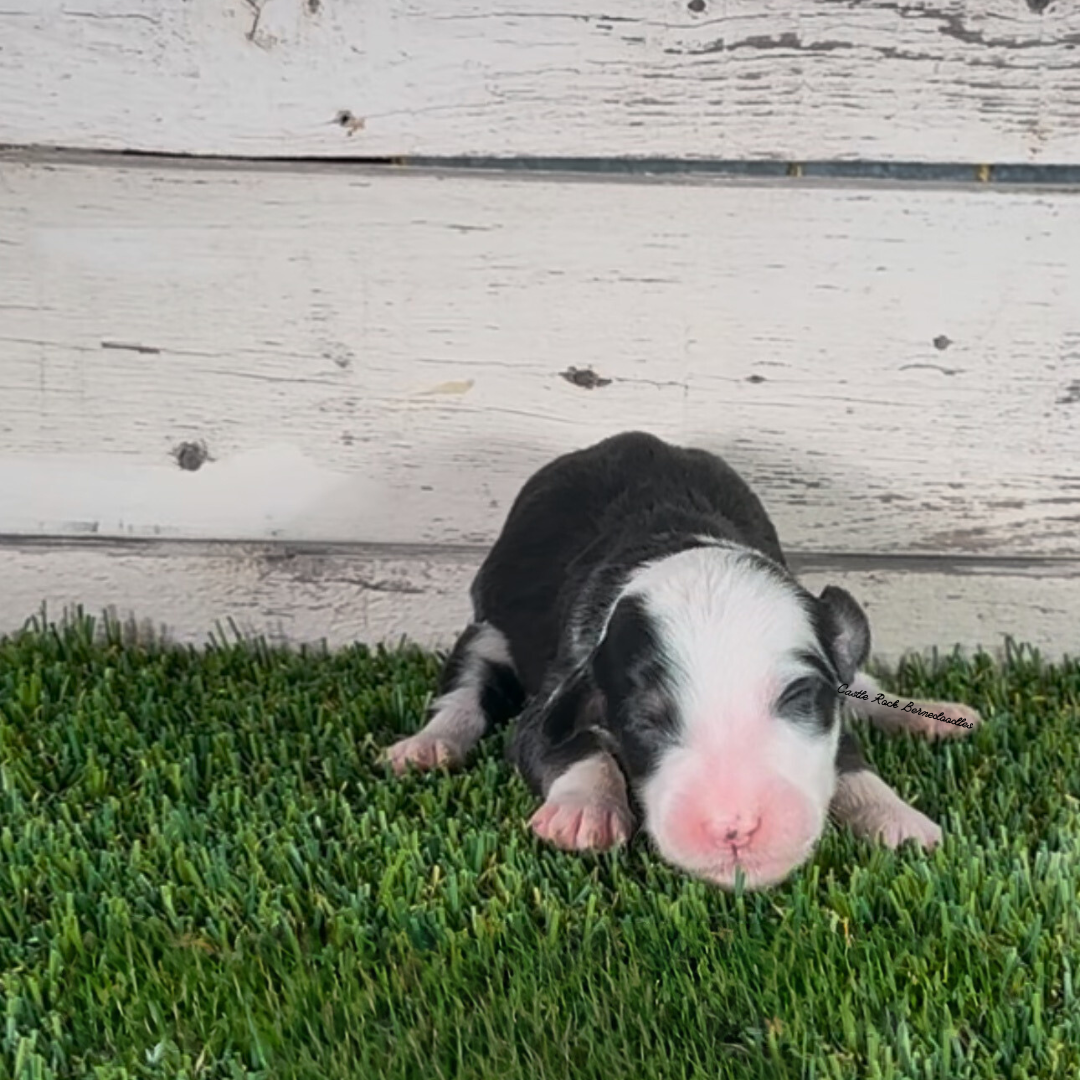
<point x="736" y="833"/>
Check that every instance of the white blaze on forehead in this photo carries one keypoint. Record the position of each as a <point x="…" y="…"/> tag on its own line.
<point x="731" y="631"/>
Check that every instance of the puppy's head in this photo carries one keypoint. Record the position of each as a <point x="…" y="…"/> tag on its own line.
<point x="719" y="677"/>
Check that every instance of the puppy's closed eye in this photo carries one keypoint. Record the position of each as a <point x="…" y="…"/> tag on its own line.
<point x="801" y="696"/>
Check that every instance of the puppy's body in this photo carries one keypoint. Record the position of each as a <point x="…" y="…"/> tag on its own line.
<point x="638" y="606"/>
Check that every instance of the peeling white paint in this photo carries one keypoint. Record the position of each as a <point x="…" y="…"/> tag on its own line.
<point x="799" y="80"/>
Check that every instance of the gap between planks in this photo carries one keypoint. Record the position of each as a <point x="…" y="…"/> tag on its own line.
<point x="874" y="175"/>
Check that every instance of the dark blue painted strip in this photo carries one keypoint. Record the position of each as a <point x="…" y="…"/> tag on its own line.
<point x="912" y="172"/>
<point x="1061" y="175"/>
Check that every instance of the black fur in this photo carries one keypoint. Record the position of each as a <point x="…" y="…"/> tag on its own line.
<point x="849" y="757"/>
<point x="629" y="672"/>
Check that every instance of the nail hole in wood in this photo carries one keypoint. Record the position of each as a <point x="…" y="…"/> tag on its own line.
<point x="348" y="120"/>
<point x="191" y="456"/>
<point x="586" y="378"/>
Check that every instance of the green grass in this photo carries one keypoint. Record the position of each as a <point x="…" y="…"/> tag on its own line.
<point x="204" y="872"/>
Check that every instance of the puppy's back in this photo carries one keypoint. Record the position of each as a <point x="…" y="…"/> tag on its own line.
<point x="586" y="507"/>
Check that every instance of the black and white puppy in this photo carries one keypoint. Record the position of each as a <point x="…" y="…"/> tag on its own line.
<point x="638" y="612"/>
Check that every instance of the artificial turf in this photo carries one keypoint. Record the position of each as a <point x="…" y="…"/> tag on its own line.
<point x="204" y="872"/>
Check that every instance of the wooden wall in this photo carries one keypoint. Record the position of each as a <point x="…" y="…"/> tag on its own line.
<point x="891" y="80"/>
<point x="253" y="374"/>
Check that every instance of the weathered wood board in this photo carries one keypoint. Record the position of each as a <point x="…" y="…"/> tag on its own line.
<point x="990" y="81"/>
<point x="335" y="354"/>
<point x="344" y="594"/>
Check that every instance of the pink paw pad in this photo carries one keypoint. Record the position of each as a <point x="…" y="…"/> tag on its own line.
<point x="576" y="825"/>
<point x="422" y="752"/>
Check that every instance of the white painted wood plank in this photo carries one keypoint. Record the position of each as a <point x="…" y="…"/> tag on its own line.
<point x="342" y="595"/>
<point x="378" y="357"/>
<point x="188" y="591"/>
<point x="929" y="80"/>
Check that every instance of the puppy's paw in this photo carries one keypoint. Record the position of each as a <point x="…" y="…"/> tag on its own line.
<point x="422" y="751"/>
<point x="902" y="822"/>
<point x="964" y="720"/>
<point x="583" y="823"/>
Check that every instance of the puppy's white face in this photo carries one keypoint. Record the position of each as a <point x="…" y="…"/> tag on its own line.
<point x="721" y="696"/>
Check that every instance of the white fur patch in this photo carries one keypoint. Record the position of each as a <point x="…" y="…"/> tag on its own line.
<point x="491" y="645"/>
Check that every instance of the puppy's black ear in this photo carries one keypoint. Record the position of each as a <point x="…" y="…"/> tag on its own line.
<point x="627" y="658"/>
<point x="556" y="727"/>
<point x="846" y="631"/>
<point x="576" y="703"/>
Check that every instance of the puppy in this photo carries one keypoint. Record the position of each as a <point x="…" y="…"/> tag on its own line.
<point x="638" y="613"/>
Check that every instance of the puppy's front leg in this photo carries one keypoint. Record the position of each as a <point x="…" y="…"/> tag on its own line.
<point x="585" y="799"/>
<point x="586" y="806"/>
<point x="478" y="688"/>
<point x="893" y="720"/>
<point x="870" y="808"/>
